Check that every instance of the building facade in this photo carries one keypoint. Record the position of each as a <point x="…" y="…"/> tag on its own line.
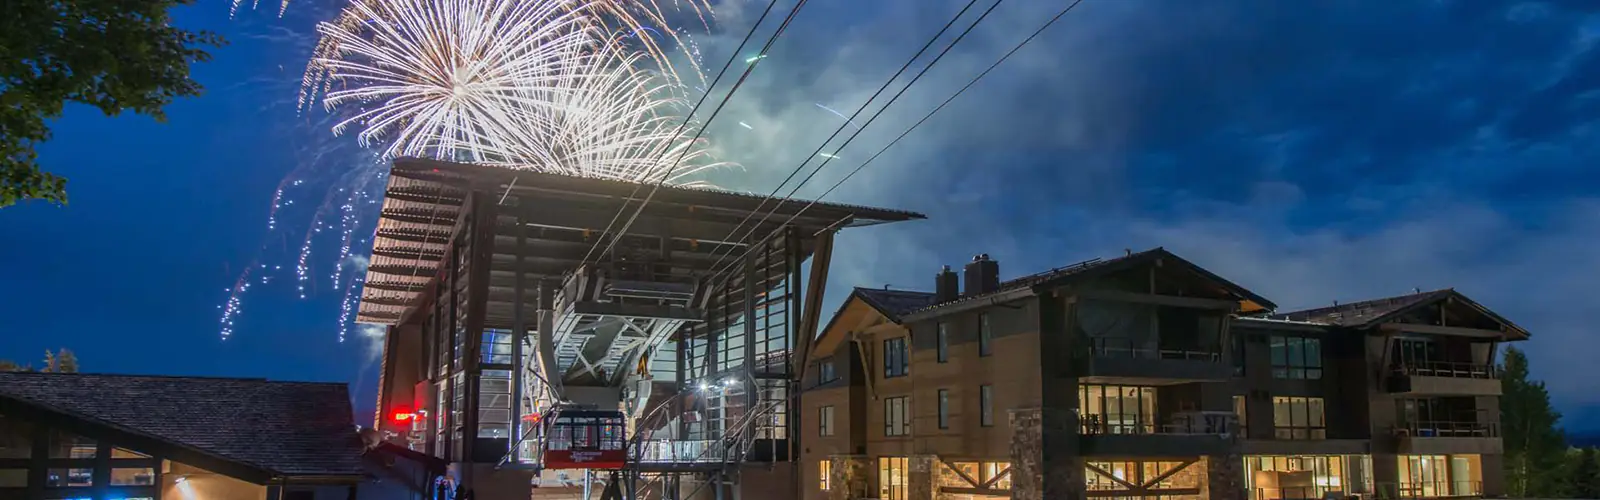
<point x="1148" y="376"/>
<point x="135" y="437"/>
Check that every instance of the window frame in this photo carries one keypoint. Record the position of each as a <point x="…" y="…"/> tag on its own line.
<point x="825" y="421"/>
<point x="825" y="470"/>
<point x="895" y="358"/>
<point x="897" y="416"/>
<point x="1307" y="349"/>
<point x="986" y="405"/>
<point x="1301" y="426"/>
<point x="944" y="408"/>
<point x="826" y="371"/>
<point x="942" y="341"/>
<point x="985" y="335"/>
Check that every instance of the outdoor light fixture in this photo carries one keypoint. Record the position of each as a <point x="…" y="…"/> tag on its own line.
<point x="180" y="480"/>
<point x="704" y="387"/>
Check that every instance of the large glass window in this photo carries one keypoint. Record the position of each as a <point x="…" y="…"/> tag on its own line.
<point x="1424" y="476"/>
<point x="1117" y="409"/>
<point x="16" y="438"/>
<point x="496" y="348"/>
<point x="897" y="416"/>
<point x="1296" y="357"/>
<point x="1153" y="476"/>
<point x="1239" y="413"/>
<point x="69" y="477"/>
<point x="985" y="336"/>
<point x="893" y="478"/>
<point x="67" y="445"/>
<point x="1277" y="477"/>
<point x="494" y="404"/>
<point x="825" y="371"/>
<point x="1298" y="418"/>
<point x="824" y="469"/>
<point x="137" y="476"/>
<point x="825" y="421"/>
<point x="944" y="408"/>
<point x="894" y="357"/>
<point x="943" y="341"/>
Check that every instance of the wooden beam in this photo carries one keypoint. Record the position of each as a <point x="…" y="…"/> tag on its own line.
<point x="1443" y="330"/>
<point x="811" y="310"/>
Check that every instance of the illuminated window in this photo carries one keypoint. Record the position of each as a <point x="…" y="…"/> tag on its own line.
<point x="67" y="445"/>
<point x="1298" y="418"/>
<point x="126" y="453"/>
<point x="997" y="475"/>
<point x="825" y="421"/>
<point x="63" y="478"/>
<point x="985" y="337"/>
<point x="1307" y="476"/>
<point x="1239" y="413"/>
<point x="893" y="478"/>
<point x="139" y="476"/>
<point x="1117" y="409"/>
<point x="1296" y="357"/>
<point x="496" y="347"/>
<point x="494" y="404"/>
<point x="897" y="416"/>
<point x="825" y="469"/>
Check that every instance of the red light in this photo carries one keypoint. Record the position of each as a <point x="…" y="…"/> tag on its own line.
<point x="404" y="416"/>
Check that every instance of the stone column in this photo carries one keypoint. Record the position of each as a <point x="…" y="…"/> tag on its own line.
<point x="1224" y="477"/>
<point x="847" y="477"/>
<point x="1045" y="464"/>
<point x="922" y="477"/>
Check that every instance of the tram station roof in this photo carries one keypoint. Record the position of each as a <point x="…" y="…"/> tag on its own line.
<point x="425" y="200"/>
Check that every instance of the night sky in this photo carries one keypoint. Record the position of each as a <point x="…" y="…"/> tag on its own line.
<point x="1310" y="151"/>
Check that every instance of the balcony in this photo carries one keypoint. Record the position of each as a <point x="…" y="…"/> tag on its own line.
<point x="1124" y="361"/>
<point x="1431" y="489"/>
<point x="1185" y="434"/>
<point x="1449" y="438"/>
<point x="1444" y="378"/>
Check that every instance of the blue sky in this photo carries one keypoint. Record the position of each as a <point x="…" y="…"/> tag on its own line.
<point x="1311" y="151"/>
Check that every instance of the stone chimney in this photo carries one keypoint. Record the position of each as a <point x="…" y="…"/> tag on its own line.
<point x="982" y="275"/>
<point x="946" y="286"/>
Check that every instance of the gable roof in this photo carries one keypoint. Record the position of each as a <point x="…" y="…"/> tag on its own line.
<point x="283" y="428"/>
<point x="1368" y="313"/>
<point x="1030" y="284"/>
<point x="894" y="304"/>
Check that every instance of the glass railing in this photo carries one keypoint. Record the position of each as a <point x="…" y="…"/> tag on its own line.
<point x="674" y="451"/>
<point x="1452" y="369"/>
<point x="1129" y="348"/>
<point x="1448" y="429"/>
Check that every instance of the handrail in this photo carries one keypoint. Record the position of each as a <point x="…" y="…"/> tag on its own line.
<point x="1447" y="428"/>
<point x="1453" y="369"/>
<point x="1442" y="488"/>
<point x="1212" y="423"/>
<point x="1125" y="348"/>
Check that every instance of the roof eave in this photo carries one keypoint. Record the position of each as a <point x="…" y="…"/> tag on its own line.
<point x="969" y="304"/>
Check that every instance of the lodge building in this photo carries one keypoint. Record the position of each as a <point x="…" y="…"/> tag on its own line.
<point x="1147" y="376"/>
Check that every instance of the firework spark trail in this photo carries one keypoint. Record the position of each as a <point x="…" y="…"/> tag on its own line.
<point x="838" y="114"/>
<point x="577" y="87"/>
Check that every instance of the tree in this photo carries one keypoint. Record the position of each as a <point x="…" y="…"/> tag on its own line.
<point x="1535" y="447"/>
<point x="7" y="365"/>
<point x="1585" y="480"/>
<point x="114" y="55"/>
<point x="62" y="362"/>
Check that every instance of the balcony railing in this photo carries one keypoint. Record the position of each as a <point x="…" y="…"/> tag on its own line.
<point x="1430" y="489"/>
<point x="671" y="451"/>
<point x="1452" y="369"/>
<point x="1194" y="423"/>
<point x="1127" y="348"/>
<point x="1429" y="429"/>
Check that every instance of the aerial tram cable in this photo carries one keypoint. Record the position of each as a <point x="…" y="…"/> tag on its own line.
<point x="857" y="133"/>
<point x="930" y="114"/>
<point x="668" y="174"/>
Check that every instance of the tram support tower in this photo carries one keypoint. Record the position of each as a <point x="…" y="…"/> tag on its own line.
<point x="501" y="302"/>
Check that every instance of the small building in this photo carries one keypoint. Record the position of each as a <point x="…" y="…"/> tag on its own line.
<point x="138" y="437"/>
<point x="1147" y="376"/>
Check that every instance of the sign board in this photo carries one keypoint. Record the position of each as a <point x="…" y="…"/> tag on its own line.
<point x="584" y="459"/>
